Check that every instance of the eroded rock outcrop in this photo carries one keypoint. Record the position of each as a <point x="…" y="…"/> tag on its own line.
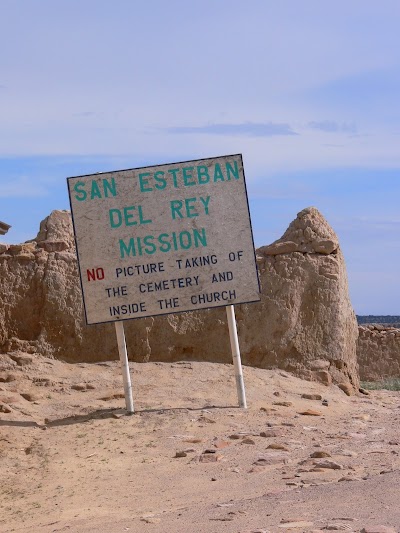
<point x="305" y="319"/>
<point x="304" y="322"/>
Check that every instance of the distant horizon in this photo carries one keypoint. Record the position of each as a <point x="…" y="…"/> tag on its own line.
<point x="396" y="317"/>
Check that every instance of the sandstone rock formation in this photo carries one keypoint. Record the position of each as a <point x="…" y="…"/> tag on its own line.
<point x="305" y="319"/>
<point x="304" y="322"/>
<point x="41" y="302"/>
<point x="378" y="352"/>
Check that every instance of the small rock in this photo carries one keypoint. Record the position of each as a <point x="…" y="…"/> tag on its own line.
<point x="346" y="388"/>
<point x="210" y="458"/>
<point x="347" y="453"/>
<point x="364" y="417"/>
<point x="206" y="419"/>
<point x="325" y="403"/>
<point x="151" y="520"/>
<point x="30" y="396"/>
<point x="22" y="359"/>
<point x="276" y="393"/>
<point x="328" y="464"/>
<point x="283" y="404"/>
<point x="271" y="459"/>
<point x="225" y="504"/>
<point x="346" y="519"/>
<point x="324" y="377"/>
<point x="7" y="377"/>
<point x="311" y="396"/>
<point x="248" y="441"/>
<point x="219" y="444"/>
<point x="269" y="434"/>
<point x="320" y="454"/>
<point x="4" y="408"/>
<point x="79" y="386"/>
<point x="256" y="469"/>
<point x="393" y="442"/>
<point x="9" y="398"/>
<point x="310" y="412"/>
<point x="235" y="436"/>
<point x="43" y="382"/>
<point x="180" y="454"/>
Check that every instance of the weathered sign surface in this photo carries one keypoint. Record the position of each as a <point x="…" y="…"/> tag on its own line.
<point x="164" y="239"/>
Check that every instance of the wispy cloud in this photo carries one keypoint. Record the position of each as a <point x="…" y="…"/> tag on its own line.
<point x="247" y="129"/>
<point x="85" y="114"/>
<point x="391" y="223"/>
<point x="22" y="187"/>
<point x="330" y="126"/>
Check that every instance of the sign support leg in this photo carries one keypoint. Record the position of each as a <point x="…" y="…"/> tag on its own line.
<point x="237" y="363"/>
<point x="123" y="355"/>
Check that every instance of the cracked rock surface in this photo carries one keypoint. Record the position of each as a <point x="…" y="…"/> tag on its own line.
<point x="304" y="323"/>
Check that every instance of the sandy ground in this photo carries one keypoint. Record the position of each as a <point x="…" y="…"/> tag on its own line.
<point x="71" y="460"/>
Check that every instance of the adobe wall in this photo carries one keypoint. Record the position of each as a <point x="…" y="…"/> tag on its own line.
<point x="378" y="352"/>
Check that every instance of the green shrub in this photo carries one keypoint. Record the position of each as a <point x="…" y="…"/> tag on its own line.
<point x="387" y="384"/>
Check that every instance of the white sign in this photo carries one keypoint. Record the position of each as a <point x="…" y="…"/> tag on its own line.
<point x="164" y="239"/>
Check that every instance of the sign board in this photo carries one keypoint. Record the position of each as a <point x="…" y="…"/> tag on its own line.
<point x="164" y="239"/>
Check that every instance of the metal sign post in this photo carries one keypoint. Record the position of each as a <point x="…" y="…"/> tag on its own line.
<point x="237" y="363"/>
<point x="123" y="355"/>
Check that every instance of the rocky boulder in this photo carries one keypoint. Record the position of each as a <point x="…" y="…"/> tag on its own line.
<point x="304" y="322"/>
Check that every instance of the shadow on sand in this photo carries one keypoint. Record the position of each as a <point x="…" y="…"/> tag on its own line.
<point x="106" y="413"/>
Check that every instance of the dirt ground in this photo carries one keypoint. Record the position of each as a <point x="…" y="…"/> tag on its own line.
<point x="189" y="460"/>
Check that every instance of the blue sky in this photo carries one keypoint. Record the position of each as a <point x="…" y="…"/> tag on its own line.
<point x="307" y="91"/>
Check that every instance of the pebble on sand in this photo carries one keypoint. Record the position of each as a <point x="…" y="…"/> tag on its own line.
<point x="328" y="464"/>
<point x="320" y="454"/>
<point x="311" y="396"/>
<point x="310" y="412"/>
